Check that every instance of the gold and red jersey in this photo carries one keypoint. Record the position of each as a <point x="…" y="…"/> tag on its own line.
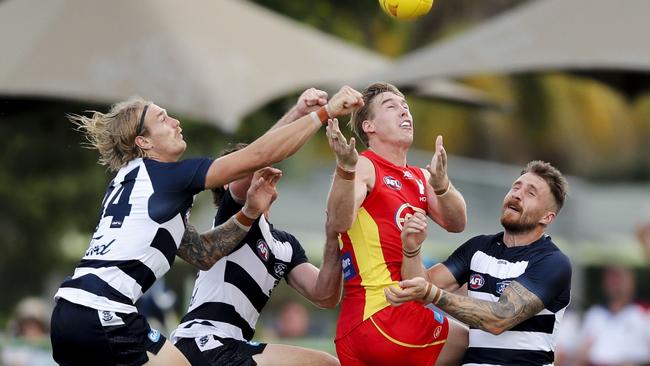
<point x="372" y="249"/>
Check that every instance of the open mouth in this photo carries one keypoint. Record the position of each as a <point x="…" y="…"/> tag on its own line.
<point x="513" y="207"/>
<point x="406" y="124"/>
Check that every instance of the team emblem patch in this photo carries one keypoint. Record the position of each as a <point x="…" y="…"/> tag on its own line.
<point x="392" y="183"/>
<point x="404" y="212"/>
<point x="280" y="269"/>
<point x="263" y="250"/>
<point x="476" y="281"/>
<point x="502" y="286"/>
<point x="107" y="316"/>
<point x="203" y="341"/>
<point x="154" y="335"/>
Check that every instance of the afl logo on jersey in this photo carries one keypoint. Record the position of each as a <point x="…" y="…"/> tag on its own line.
<point x="263" y="250"/>
<point x="392" y="183"/>
<point x="404" y="212"/>
<point x="476" y="281"/>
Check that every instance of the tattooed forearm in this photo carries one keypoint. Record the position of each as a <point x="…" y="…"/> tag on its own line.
<point x="204" y="250"/>
<point x="515" y="305"/>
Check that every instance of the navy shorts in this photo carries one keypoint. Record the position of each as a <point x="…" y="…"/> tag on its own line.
<point x="85" y="336"/>
<point x="215" y="351"/>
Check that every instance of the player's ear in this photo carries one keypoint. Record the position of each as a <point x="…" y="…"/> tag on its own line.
<point x="143" y="143"/>
<point x="368" y="126"/>
<point x="548" y="218"/>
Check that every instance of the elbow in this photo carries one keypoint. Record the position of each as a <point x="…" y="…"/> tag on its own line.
<point x="335" y="227"/>
<point x="456" y="226"/>
<point x="328" y="304"/>
<point x="494" y="330"/>
<point x="496" y="327"/>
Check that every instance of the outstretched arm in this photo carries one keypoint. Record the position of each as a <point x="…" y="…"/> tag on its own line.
<point x="446" y="204"/>
<point x="322" y="287"/>
<point x="309" y="101"/>
<point x="515" y="305"/>
<point x="277" y="145"/>
<point x="204" y="250"/>
<point x="342" y="202"/>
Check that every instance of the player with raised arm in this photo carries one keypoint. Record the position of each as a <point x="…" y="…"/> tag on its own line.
<point x="142" y="221"/>
<point x="368" y="203"/>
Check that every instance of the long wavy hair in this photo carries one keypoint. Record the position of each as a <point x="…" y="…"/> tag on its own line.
<point x="113" y="134"/>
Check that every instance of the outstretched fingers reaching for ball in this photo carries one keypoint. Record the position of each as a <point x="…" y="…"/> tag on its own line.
<point x="438" y="167"/>
<point x="346" y="153"/>
<point x="262" y="192"/>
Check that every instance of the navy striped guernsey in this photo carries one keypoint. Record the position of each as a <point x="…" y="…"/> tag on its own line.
<point x="488" y="266"/>
<point x="228" y="298"/>
<point x="141" y="224"/>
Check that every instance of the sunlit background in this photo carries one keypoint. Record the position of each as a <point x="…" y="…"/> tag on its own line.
<point x="504" y="81"/>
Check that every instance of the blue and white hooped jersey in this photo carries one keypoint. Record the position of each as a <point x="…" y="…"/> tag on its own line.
<point x="228" y="298"/>
<point x="488" y="266"/>
<point x="141" y="224"/>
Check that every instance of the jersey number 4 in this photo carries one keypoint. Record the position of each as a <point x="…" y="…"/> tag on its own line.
<point x="116" y="203"/>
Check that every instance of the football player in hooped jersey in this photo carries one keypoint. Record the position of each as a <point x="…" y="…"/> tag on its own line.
<point x="518" y="281"/>
<point x="368" y="204"/>
<point x="142" y="221"/>
<point x="228" y="299"/>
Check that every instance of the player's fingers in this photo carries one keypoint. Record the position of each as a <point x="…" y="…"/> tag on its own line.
<point x="257" y="183"/>
<point x="443" y="157"/>
<point x="438" y="143"/>
<point x="276" y="178"/>
<point x="353" y="144"/>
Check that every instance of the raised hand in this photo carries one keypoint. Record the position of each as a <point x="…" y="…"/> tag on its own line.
<point x="262" y="192"/>
<point x="417" y="289"/>
<point x="438" y="168"/>
<point x="344" y="102"/>
<point x="346" y="154"/>
<point x="310" y="100"/>
<point x="414" y="232"/>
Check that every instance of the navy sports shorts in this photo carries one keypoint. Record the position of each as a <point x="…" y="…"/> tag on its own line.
<point x="85" y="336"/>
<point x="211" y="350"/>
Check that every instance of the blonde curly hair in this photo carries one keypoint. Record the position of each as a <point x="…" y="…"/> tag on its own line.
<point x="113" y="134"/>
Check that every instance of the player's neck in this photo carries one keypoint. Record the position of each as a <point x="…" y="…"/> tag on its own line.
<point x="521" y="239"/>
<point x="394" y="154"/>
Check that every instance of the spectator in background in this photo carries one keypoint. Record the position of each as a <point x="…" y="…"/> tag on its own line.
<point x="293" y="320"/>
<point x="568" y="339"/>
<point x="616" y="333"/>
<point x="29" y="330"/>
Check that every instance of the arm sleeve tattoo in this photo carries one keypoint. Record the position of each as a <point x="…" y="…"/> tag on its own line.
<point x="515" y="305"/>
<point x="204" y="250"/>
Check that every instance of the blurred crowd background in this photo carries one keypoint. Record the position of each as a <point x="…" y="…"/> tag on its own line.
<point x="590" y="118"/>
